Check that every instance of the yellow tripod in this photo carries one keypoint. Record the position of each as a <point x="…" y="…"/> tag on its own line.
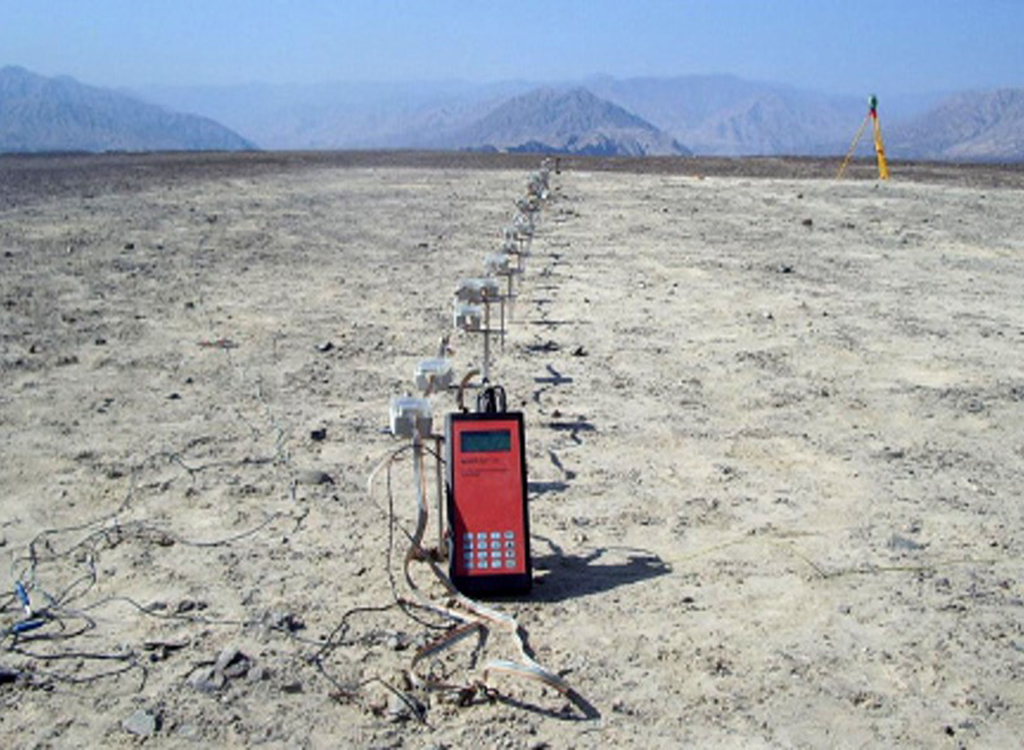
<point x="872" y="117"/>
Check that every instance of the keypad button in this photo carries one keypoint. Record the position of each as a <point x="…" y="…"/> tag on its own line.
<point x="510" y="535"/>
<point x="510" y="563"/>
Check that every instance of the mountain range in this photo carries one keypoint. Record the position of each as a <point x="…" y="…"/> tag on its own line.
<point x="705" y="115"/>
<point x="714" y="115"/>
<point x="574" y="121"/>
<point x="61" y="114"/>
<point x="969" y="126"/>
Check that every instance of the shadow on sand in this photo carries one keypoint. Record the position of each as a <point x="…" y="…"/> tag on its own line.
<point x="567" y="576"/>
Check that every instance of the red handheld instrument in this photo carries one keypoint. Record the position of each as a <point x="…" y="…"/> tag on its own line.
<point x="488" y="518"/>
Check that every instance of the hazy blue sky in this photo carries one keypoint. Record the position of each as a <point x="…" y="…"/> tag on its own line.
<point x="851" y="46"/>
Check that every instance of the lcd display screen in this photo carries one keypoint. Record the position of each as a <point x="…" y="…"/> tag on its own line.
<point x="485" y="441"/>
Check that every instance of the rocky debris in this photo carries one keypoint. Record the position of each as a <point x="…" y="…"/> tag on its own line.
<point x="547" y="346"/>
<point x="902" y="544"/>
<point x="189" y="605"/>
<point x="142" y="723"/>
<point x="289" y="622"/>
<point x="231" y="664"/>
<point x="161" y="650"/>
<point x="207" y="681"/>
<point x="313" y="476"/>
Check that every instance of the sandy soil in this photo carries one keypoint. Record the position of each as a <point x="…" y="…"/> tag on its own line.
<point x="775" y="435"/>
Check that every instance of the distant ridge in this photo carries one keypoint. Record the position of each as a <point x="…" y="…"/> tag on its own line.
<point x="40" y="114"/>
<point x="717" y="115"/>
<point x="571" y="121"/>
<point x="970" y="126"/>
<point x="727" y="116"/>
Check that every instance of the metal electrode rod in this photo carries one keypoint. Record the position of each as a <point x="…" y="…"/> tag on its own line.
<point x="442" y="549"/>
<point x="487" y="339"/>
<point x="418" y="480"/>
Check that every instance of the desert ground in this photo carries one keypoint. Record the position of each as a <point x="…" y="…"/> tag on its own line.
<point x="775" y="438"/>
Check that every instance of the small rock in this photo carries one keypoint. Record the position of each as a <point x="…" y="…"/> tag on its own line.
<point x="190" y="732"/>
<point x="208" y="681"/>
<point x="292" y="688"/>
<point x="129" y="246"/>
<point x="808" y="222"/>
<point x="286" y="621"/>
<point x="319" y="434"/>
<point x="897" y="542"/>
<point x="326" y="346"/>
<point x="100" y="341"/>
<point x="313" y="476"/>
<point x="579" y="351"/>
<point x="226" y="657"/>
<point x="258" y="674"/>
<point x="975" y="406"/>
<point x="188" y="605"/>
<point x="174" y="396"/>
<point x="232" y="663"/>
<point x="141" y="723"/>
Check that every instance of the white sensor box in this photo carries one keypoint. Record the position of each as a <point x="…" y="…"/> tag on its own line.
<point x="410" y="416"/>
